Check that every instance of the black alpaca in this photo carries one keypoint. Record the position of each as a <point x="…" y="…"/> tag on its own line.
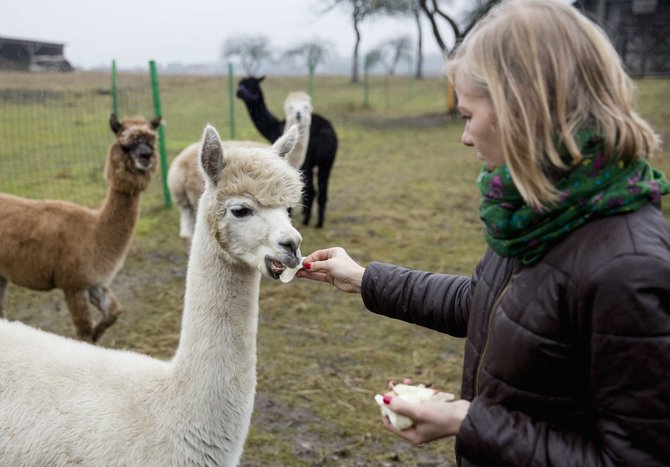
<point x="320" y="150"/>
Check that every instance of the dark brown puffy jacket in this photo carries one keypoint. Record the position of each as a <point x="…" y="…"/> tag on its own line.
<point x="566" y="362"/>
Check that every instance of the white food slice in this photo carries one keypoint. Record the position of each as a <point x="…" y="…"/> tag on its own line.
<point x="289" y="273"/>
<point x="410" y="393"/>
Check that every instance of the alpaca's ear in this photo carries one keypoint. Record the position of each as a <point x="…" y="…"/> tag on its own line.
<point x="261" y="78"/>
<point x="114" y="123"/>
<point x="211" y="155"/>
<point x="287" y="142"/>
<point x="156" y="122"/>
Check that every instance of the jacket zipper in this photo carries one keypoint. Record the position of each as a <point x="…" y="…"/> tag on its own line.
<point x="508" y="282"/>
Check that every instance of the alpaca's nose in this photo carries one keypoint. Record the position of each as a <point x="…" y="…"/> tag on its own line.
<point x="298" y="116"/>
<point x="291" y="245"/>
<point x="142" y="155"/>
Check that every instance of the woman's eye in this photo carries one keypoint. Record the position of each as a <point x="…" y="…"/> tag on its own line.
<point x="240" y="212"/>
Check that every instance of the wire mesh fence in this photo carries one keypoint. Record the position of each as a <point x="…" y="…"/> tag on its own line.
<point x="54" y="131"/>
<point x="53" y="142"/>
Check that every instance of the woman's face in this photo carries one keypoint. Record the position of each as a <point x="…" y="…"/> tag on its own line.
<point x="481" y="130"/>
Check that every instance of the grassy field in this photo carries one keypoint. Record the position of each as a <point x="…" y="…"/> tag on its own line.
<point x="402" y="191"/>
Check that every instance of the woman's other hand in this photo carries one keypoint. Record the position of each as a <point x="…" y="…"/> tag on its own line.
<point x="432" y="419"/>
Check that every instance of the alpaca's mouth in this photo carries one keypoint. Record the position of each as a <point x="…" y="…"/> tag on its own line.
<point x="274" y="267"/>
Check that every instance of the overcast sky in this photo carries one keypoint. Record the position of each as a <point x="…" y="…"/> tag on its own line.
<point x="188" y="31"/>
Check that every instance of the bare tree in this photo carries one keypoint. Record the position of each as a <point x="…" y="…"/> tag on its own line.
<point x="359" y="11"/>
<point x="314" y="52"/>
<point x="404" y="8"/>
<point x="434" y="12"/>
<point x="388" y="55"/>
<point x="373" y="57"/>
<point x="250" y="50"/>
<point x="397" y="48"/>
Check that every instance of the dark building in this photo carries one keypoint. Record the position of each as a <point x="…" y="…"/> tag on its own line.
<point x="27" y="55"/>
<point x="639" y="30"/>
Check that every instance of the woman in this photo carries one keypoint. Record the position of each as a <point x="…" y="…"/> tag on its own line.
<point x="566" y="315"/>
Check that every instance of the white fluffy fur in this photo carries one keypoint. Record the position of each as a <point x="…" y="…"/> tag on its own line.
<point x="185" y="181"/>
<point x="65" y="402"/>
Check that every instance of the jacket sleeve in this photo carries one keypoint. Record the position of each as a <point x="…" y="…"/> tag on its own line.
<point x="624" y="308"/>
<point x="436" y="301"/>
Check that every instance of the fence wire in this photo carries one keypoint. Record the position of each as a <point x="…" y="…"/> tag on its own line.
<point x="53" y="143"/>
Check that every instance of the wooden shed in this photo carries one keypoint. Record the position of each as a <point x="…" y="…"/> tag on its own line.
<point x="29" y="55"/>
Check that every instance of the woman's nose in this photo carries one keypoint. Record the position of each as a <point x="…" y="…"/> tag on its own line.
<point x="465" y="138"/>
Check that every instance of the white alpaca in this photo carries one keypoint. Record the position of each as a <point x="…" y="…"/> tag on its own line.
<point x="66" y="402"/>
<point x="298" y="111"/>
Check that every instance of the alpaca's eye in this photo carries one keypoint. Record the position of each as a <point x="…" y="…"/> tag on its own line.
<point x="241" y="212"/>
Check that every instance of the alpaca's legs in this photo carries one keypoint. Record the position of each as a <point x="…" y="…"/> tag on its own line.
<point x="186" y="225"/>
<point x="105" y="301"/>
<point x="322" y="180"/>
<point x="307" y="195"/>
<point x="77" y="303"/>
<point x="3" y="287"/>
<point x="186" y="222"/>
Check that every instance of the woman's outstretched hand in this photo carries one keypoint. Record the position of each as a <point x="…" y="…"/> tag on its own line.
<point x="335" y="266"/>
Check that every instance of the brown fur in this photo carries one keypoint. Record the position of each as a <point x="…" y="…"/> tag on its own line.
<point x="49" y="244"/>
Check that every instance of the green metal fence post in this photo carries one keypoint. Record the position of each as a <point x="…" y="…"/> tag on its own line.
<point x="161" y="132"/>
<point x="231" y="100"/>
<point x="310" y="80"/>
<point x="366" y="84"/>
<point x="115" y="95"/>
<point x="410" y="77"/>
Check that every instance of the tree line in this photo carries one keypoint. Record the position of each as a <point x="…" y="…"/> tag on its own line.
<point x="446" y="18"/>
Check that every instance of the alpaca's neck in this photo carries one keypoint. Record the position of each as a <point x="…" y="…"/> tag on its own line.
<point x="116" y="220"/>
<point x="217" y="347"/>
<point x="266" y="123"/>
<point x="297" y="155"/>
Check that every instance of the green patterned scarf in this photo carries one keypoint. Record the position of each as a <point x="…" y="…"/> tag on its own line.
<point x="593" y="189"/>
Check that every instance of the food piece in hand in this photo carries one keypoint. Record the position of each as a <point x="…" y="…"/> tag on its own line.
<point x="410" y="393"/>
<point x="289" y="273"/>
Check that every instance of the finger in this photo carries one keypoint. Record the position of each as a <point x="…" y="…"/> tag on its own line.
<point x="318" y="255"/>
<point x="315" y="276"/>
<point x="316" y="265"/>
<point x="402" y="407"/>
<point x="389" y="426"/>
<point x="409" y="434"/>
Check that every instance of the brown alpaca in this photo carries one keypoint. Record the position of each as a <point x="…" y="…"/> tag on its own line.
<point x="50" y="244"/>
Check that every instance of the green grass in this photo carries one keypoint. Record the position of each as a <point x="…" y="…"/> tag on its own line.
<point x="402" y="191"/>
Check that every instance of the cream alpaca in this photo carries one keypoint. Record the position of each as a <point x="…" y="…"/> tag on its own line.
<point x="51" y="244"/>
<point x="298" y="111"/>
<point x="186" y="184"/>
<point x="66" y="402"/>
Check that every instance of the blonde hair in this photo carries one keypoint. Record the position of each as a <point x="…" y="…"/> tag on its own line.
<point x="550" y="72"/>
